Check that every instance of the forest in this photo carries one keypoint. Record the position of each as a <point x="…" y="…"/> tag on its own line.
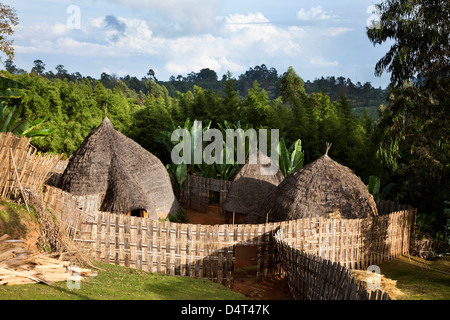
<point x="398" y="136"/>
<point x="74" y="106"/>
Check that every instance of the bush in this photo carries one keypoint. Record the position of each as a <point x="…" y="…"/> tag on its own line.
<point x="180" y="217"/>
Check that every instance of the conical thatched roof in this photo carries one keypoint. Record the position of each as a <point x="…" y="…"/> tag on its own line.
<point x="251" y="186"/>
<point x="323" y="188"/>
<point x="127" y="176"/>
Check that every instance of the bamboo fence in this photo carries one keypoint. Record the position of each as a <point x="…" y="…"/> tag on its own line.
<point x="355" y="243"/>
<point x="312" y="277"/>
<point x="21" y="166"/>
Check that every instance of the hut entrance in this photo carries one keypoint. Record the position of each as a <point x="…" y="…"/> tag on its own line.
<point x="246" y="257"/>
<point x="214" y="197"/>
<point x="138" y="213"/>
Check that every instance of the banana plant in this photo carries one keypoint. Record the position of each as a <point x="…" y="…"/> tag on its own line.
<point x="178" y="173"/>
<point x="10" y="119"/>
<point x="229" y="166"/>
<point x="290" y="159"/>
<point x="374" y="188"/>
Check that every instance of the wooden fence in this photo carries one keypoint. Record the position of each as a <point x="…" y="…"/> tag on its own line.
<point x="196" y="192"/>
<point x="209" y="251"/>
<point x="355" y="243"/>
<point x="57" y="173"/>
<point x="389" y="206"/>
<point x="311" y="277"/>
<point x="21" y="166"/>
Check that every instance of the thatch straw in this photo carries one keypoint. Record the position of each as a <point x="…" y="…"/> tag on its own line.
<point x="385" y="284"/>
<point x="126" y="175"/>
<point x="323" y="188"/>
<point x="250" y="188"/>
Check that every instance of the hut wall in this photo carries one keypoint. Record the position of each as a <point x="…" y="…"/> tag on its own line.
<point x="197" y="189"/>
<point x="389" y="206"/>
<point x="89" y="203"/>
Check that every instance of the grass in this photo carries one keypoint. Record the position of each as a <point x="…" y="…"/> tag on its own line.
<point x="121" y="283"/>
<point x="420" y="279"/>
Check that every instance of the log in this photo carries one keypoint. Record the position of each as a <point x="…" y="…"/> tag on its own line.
<point x="25" y="275"/>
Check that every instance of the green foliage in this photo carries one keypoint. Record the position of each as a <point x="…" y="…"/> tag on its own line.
<point x="10" y="119"/>
<point x="291" y="160"/>
<point x="180" y="217"/>
<point x="413" y="128"/>
<point x="374" y="188"/>
<point x="178" y="174"/>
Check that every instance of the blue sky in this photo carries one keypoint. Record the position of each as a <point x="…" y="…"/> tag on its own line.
<point x="172" y="37"/>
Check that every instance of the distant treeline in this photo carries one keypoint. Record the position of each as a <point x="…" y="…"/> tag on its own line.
<point x="75" y="105"/>
<point x="362" y="97"/>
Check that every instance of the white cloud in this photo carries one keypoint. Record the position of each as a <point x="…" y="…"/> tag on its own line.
<point x="314" y="13"/>
<point x="334" y="32"/>
<point x="253" y="17"/>
<point x="59" y="28"/>
<point x="321" y="62"/>
<point x="239" y="41"/>
<point x="193" y="15"/>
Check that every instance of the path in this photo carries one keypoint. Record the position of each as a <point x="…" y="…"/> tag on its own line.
<point x="245" y="267"/>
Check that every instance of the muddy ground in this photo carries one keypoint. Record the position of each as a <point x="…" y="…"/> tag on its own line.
<point x="245" y="265"/>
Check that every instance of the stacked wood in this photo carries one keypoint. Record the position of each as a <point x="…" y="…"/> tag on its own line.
<point x="21" y="266"/>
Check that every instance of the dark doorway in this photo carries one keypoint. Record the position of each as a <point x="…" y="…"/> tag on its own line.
<point x="214" y="197"/>
<point x="139" y="213"/>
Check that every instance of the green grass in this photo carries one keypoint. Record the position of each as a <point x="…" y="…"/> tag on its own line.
<point x="420" y="279"/>
<point x="120" y="283"/>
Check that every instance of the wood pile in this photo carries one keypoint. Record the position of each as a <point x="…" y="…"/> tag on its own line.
<point x="21" y="266"/>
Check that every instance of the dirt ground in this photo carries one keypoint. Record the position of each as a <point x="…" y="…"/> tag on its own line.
<point x="245" y="265"/>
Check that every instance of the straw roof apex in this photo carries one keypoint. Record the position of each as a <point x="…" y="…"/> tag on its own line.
<point x="323" y="188"/>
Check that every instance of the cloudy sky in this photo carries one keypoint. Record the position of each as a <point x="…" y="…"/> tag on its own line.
<point x="318" y="38"/>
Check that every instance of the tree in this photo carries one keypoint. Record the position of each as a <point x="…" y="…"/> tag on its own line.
<point x="8" y="20"/>
<point x="420" y="30"/>
<point x="38" y="68"/>
<point x="291" y="87"/>
<point x="10" y="116"/>
<point x="414" y="123"/>
<point x="10" y="67"/>
<point x="61" y="72"/>
<point x="206" y="75"/>
<point x="151" y="74"/>
<point x="230" y="100"/>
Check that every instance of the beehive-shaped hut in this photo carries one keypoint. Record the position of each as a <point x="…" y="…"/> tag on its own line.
<point x="122" y="176"/>
<point x="323" y="188"/>
<point x="255" y="181"/>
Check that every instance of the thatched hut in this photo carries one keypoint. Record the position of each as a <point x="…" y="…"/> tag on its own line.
<point x="122" y="176"/>
<point x="323" y="188"/>
<point x="251" y="186"/>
